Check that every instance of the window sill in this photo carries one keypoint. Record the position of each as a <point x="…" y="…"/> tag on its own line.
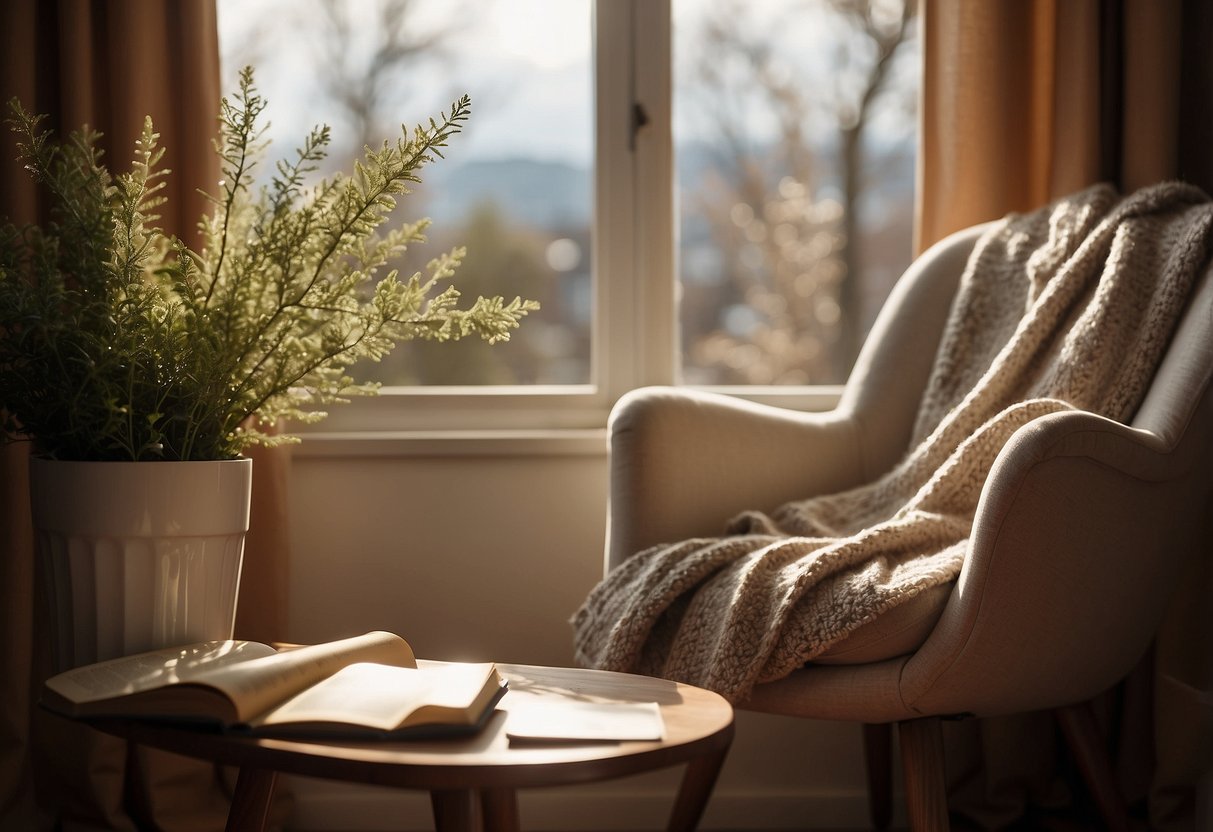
<point x="451" y="443"/>
<point x="527" y="423"/>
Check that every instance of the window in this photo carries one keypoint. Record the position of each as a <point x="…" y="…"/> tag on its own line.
<point x="706" y="192"/>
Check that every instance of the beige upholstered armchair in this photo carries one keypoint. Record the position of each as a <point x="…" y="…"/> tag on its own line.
<point x="1081" y="531"/>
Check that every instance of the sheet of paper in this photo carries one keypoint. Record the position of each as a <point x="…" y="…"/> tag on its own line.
<point x="574" y="721"/>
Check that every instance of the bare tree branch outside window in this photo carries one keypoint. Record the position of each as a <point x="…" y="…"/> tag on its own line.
<point x="789" y="172"/>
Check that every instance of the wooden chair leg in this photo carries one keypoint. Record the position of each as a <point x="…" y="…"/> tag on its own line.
<point x="922" y="762"/>
<point x="878" y="760"/>
<point x="1087" y="745"/>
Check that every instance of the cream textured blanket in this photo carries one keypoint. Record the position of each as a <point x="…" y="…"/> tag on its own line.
<point x="1071" y="306"/>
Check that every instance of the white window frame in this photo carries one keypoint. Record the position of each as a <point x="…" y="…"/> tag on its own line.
<point x="635" y="330"/>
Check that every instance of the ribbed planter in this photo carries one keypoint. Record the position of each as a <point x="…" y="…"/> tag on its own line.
<point x="139" y="555"/>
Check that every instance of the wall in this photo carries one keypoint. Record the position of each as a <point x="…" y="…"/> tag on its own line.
<point x="486" y="557"/>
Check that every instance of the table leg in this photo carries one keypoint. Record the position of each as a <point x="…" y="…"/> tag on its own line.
<point x="251" y="801"/>
<point x="500" y="807"/>
<point x="696" y="788"/>
<point x="454" y="810"/>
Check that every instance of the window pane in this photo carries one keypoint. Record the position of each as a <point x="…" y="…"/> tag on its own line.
<point x="515" y="186"/>
<point x="794" y="131"/>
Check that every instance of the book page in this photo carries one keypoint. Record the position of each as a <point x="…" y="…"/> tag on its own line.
<point x="255" y="687"/>
<point x="384" y="698"/>
<point x="254" y="677"/>
<point x="146" y="671"/>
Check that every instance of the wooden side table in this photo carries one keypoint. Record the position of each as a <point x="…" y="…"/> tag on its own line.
<point x="473" y="781"/>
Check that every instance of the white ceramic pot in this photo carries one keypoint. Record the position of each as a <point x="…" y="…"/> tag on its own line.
<point x="139" y="555"/>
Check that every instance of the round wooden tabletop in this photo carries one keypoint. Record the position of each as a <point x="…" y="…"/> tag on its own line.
<point x="698" y="728"/>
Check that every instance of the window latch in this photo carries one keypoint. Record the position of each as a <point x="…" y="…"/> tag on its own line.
<point x="640" y="118"/>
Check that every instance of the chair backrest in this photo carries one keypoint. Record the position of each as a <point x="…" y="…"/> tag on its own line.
<point x="886" y="384"/>
<point x="1082" y="531"/>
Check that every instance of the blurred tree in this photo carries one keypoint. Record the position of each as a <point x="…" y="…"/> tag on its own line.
<point x="794" y="311"/>
<point x="365" y="50"/>
<point x="880" y="28"/>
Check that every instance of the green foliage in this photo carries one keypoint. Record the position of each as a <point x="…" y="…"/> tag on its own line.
<point x="118" y="342"/>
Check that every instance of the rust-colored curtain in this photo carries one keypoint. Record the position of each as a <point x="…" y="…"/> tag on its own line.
<point x="108" y="64"/>
<point x="1028" y="100"/>
<point x="1025" y="101"/>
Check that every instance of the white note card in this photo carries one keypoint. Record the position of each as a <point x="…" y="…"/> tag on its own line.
<point x="574" y="721"/>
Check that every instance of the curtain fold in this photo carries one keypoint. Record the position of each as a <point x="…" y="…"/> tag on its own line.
<point x="1025" y="101"/>
<point x="108" y="63"/>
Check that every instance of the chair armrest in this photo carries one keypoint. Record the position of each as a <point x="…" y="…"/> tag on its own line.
<point x="684" y="462"/>
<point x="1080" y="534"/>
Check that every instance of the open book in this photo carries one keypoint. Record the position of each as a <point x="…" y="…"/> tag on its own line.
<point x="365" y="686"/>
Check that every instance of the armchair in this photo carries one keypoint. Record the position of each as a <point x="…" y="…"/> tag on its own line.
<point x="1081" y="530"/>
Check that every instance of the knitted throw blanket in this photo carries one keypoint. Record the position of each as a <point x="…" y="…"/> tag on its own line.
<point x="1071" y="306"/>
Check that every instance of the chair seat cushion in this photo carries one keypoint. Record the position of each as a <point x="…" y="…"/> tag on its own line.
<point x="896" y="632"/>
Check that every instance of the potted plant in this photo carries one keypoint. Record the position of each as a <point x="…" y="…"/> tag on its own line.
<point x="140" y="368"/>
